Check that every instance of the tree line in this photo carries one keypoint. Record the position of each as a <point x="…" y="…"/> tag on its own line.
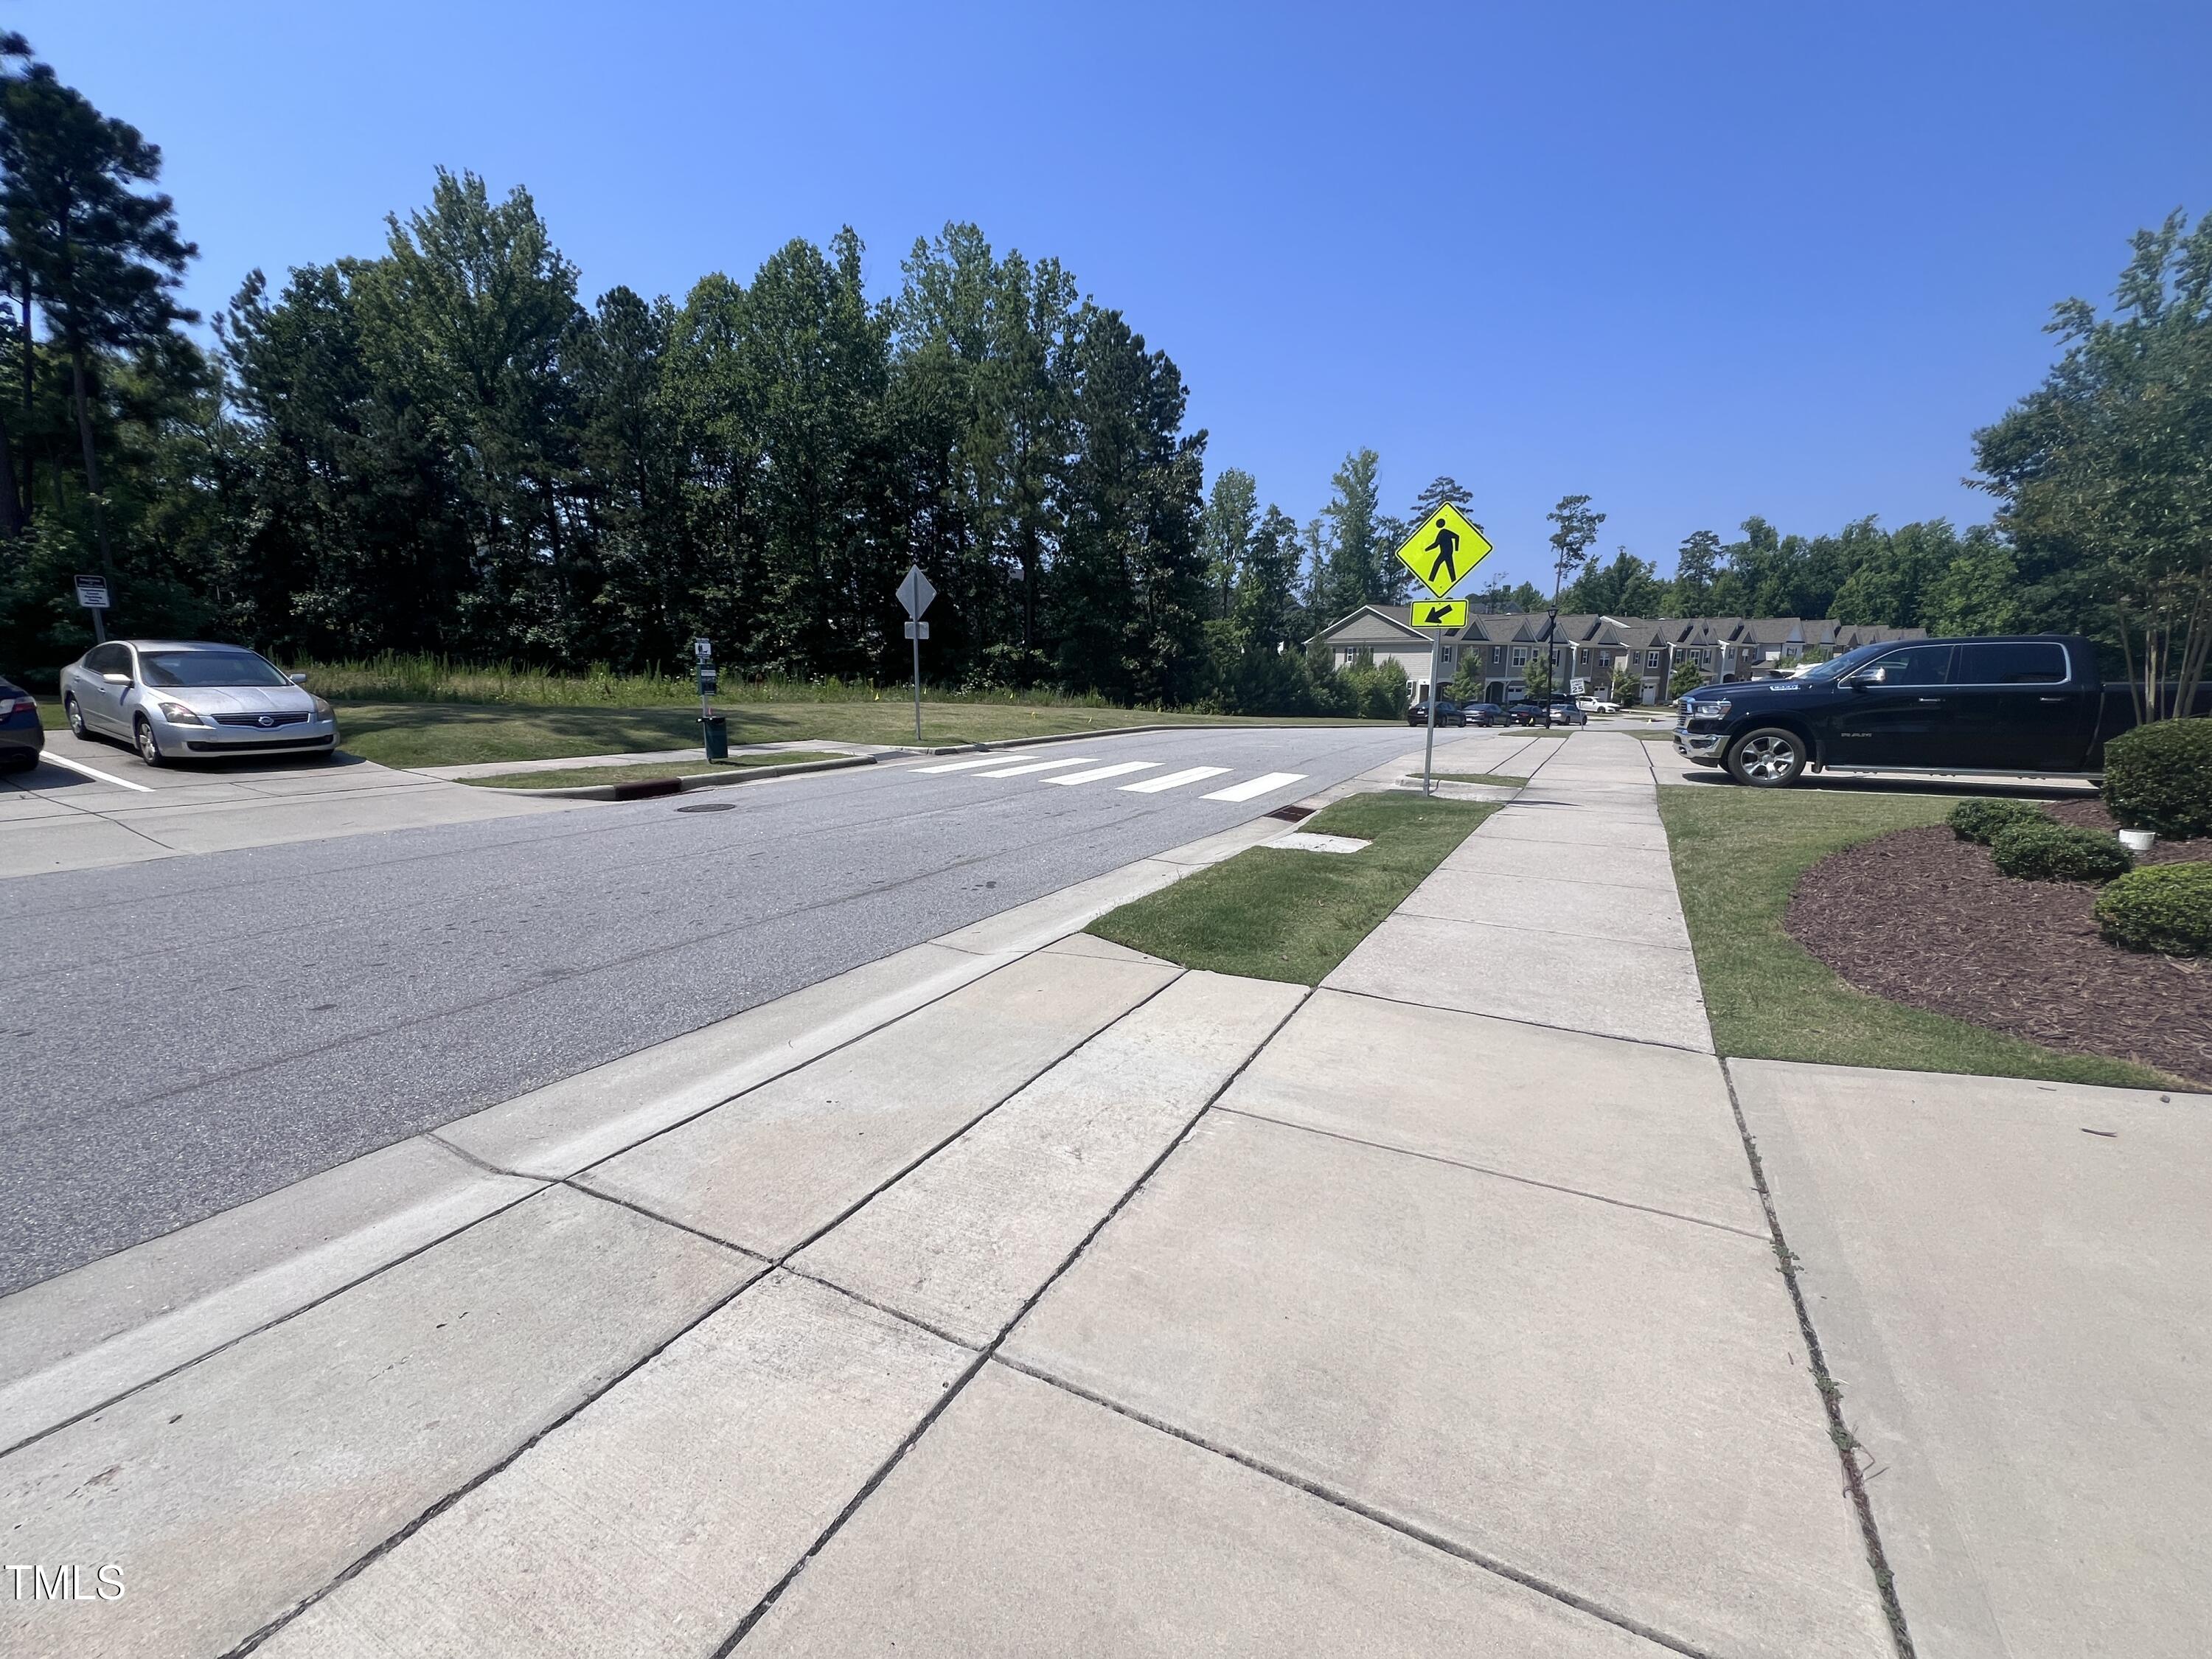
<point x="441" y="447"/>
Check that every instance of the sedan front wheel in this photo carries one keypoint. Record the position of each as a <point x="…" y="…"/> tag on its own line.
<point x="1769" y="758"/>
<point x="149" y="749"/>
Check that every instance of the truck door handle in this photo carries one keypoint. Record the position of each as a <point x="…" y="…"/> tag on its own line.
<point x="2054" y="699"/>
<point x="1929" y="700"/>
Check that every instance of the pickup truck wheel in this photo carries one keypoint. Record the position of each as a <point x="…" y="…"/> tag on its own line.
<point x="1768" y="758"/>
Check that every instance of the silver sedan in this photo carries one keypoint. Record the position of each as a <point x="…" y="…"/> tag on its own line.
<point x="174" y="699"/>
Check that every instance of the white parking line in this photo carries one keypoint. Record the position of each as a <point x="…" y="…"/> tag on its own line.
<point x="1252" y="786"/>
<point x="962" y="766"/>
<point x="48" y="755"/>
<point x="1174" y="780"/>
<point x="1097" y="772"/>
<point x="1035" y="766"/>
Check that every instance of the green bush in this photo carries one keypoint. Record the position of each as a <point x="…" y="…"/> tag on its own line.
<point x="2044" y="851"/>
<point x="2161" y="907"/>
<point x="1984" y="820"/>
<point x="2160" y="777"/>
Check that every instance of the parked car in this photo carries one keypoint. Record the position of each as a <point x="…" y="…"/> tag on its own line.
<point x="22" y="739"/>
<point x="1566" y="712"/>
<point x="2015" y="705"/>
<point x="170" y="699"/>
<point x="1447" y="713"/>
<point x="1483" y="714"/>
<point x="1527" y="711"/>
<point x="1597" y="705"/>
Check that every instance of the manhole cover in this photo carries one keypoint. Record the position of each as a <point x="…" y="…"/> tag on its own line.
<point x="1292" y="814"/>
<point x="710" y="806"/>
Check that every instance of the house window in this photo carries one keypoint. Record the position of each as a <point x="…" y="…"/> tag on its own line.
<point x="1651" y="658"/>
<point x="1446" y="656"/>
<point x="1498" y="655"/>
<point x="1520" y="656"/>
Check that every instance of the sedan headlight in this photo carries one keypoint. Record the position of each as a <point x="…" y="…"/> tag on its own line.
<point x="322" y="709"/>
<point x="177" y="715"/>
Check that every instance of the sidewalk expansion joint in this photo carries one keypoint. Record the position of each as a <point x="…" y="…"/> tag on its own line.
<point x="576" y="1186"/>
<point x="760" y="1609"/>
<point x="473" y="1160"/>
<point x="377" y="1551"/>
<point x="1381" y="1518"/>
<point x="1501" y="1175"/>
<point x="1831" y="1396"/>
<point x="1510" y="1019"/>
<point x="266" y="1325"/>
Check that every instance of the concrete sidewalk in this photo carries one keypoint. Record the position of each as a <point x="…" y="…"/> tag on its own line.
<point x="1004" y="1299"/>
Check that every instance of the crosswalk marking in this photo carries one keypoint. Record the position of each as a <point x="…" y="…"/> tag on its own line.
<point x="1174" y="780"/>
<point x="1035" y="766"/>
<point x="1252" y="786"/>
<point x="1097" y="772"/>
<point x="961" y="766"/>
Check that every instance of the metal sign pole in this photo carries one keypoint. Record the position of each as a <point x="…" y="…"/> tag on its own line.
<point x="1428" y="754"/>
<point x="914" y="634"/>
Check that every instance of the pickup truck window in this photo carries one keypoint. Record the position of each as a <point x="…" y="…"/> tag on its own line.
<point x="1916" y="665"/>
<point x="2019" y="662"/>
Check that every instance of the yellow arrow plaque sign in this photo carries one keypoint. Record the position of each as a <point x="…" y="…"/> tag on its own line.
<point x="1443" y="547"/>
<point x="1440" y="613"/>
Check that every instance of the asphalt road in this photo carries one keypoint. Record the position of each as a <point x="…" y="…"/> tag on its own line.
<point x="183" y="1034"/>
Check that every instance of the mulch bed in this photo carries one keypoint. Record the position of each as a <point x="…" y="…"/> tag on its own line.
<point x="1923" y="918"/>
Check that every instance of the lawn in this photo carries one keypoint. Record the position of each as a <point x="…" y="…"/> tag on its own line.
<point x="464" y="733"/>
<point x="1499" y="779"/>
<point x="569" y="777"/>
<point x="1270" y="914"/>
<point x="1738" y="854"/>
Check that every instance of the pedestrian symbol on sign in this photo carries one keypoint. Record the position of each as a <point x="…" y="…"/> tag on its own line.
<point x="1446" y="548"/>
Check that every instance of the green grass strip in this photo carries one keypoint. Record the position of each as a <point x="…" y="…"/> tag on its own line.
<point x="570" y="777"/>
<point x="1270" y="914"/>
<point x="1498" y="778"/>
<point x="1738" y="856"/>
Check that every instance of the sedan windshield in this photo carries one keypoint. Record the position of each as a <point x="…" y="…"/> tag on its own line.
<point x="191" y="668"/>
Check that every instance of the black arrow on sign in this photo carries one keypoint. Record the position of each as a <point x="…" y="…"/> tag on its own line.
<point x="1437" y="615"/>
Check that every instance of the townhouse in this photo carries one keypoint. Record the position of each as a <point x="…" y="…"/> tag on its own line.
<point x="1587" y="651"/>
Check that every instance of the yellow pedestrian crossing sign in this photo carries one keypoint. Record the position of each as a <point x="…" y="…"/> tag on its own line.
<point x="1443" y="547"/>
<point x="1440" y="613"/>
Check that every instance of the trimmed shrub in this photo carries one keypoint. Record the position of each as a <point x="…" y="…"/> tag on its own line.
<point x="1984" y="820"/>
<point x="2161" y="907"/>
<point x="2044" y="851"/>
<point x="2160" y="777"/>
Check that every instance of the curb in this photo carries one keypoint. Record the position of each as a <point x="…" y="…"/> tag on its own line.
<point x="647" y="788"/>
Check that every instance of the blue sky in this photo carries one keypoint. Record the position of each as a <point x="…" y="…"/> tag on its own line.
<point x="1696" y="260"/>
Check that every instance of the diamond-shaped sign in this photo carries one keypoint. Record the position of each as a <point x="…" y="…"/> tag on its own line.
<point x="1443" y="547"/>
<point x="916" y="593"/>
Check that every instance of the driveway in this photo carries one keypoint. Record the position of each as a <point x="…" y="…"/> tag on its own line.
<point x="91" y="805"/>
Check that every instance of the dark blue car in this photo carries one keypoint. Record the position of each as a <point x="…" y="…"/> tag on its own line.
<point x="22" y="739"/>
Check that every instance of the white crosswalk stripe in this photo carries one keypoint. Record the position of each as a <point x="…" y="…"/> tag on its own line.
<point x="1097" y="772"/>
<point x="1174" y="780"/>
<point x="961" y="766"/>
<point x="1254" y="787"/>
<point x="1035" y="766"/>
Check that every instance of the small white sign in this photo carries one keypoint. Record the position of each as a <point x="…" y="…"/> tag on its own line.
<point x="92" y="592"/>
<point x="914" y="592"/>
<point x="703" y="650"/>
<point x="917" y="630"/>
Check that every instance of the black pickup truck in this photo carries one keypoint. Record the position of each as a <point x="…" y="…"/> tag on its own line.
<point x="2014" y="706"/>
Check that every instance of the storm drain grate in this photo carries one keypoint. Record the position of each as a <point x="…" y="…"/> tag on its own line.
<point x="1292" y="814"/>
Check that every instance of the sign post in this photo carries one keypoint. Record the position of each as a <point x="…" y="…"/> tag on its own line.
<point x="713" y="730"/>
<point x="1443" y="547"/>
<point x="92" y="594"/>
<point x="914" y="592"/>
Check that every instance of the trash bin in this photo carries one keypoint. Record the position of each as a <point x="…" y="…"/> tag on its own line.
<point x="716" y="730"/>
